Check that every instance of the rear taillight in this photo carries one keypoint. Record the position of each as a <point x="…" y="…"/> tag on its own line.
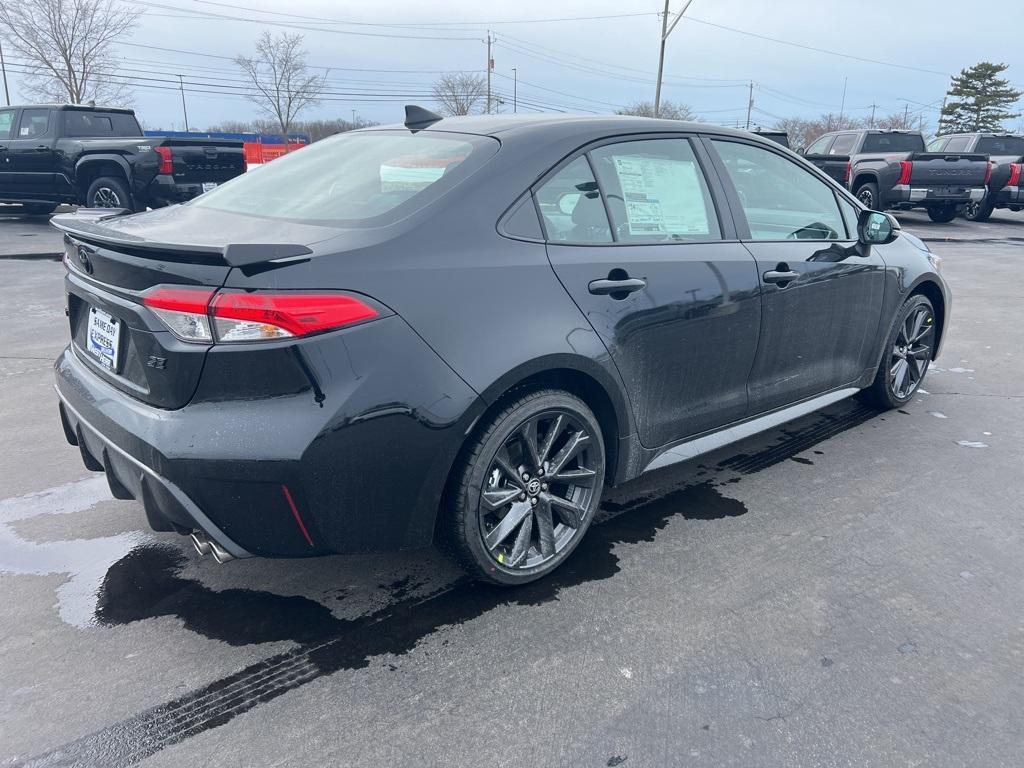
<point x="905" y="169"/>
<point x="166" y="163"/>
<point x="847" y="172"/>
<point x="1015" y="173"/>
<point x="201" y="315"/>
<point x="988" y="172"/>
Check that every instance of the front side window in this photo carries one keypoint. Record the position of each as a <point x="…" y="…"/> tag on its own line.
<point x="781" y="200"/>
<point x="354" y="179"/>
<point x="571" y="206"/>
<point x="656" y="191"/>
<point x="844" y="144"/>
<point x="820" y="147"/>
<point x="937" y="144"/>
<point x="34" y="123"/>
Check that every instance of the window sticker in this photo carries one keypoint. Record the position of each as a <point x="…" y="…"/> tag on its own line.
<point x="662" y="196"/>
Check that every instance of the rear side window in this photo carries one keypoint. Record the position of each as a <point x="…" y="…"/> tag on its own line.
<point x="81" y="124"/>
<point x="571" y="206"/>
<point x="844" y="144"/>
<point x="354" y="179"/>
<point x="781" y="200"/>
<point x="893" y="142"/>
<point x="958" y="144"/>
<point x="655" y="191"/>
<point x="34" y="123"/>
<point x="991" y="145"/>
<point x="6" y="121"/>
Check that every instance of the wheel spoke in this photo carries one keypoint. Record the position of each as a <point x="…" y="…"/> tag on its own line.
<point x="522" y="546"/>
<point x="504" y="463"/>
<point x="917" y="321"/>
<point x="545" y="528"/>
<point x="584" y="477"/>
<point x="924" y="330"/>
<point x="900" y="376"/>
<point x="499" y="497"/>
<point x="509" y="523"/>
<point x="549" y="440"/>
<point x="921" y="358"/>
<point x="576" y="444"/>
<point x="571" y="513"/>
<point x="528" y="436"/>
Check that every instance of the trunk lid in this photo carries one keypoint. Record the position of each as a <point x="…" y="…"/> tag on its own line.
<point x="111" y="264"/>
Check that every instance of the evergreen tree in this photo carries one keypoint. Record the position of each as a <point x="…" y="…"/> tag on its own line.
<point x="979" y="100"/>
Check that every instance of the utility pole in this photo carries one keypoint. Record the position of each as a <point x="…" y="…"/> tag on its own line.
<point x="666" y="30"/>
<point x="515" y="88"/>
<point x="181" y="87"/>
<point x="750" y="104"/>
<point x="490" y="66"/>
<point x="842" y="105"/>
<point x="871" y="124"/>
<point x="3" y="66"/>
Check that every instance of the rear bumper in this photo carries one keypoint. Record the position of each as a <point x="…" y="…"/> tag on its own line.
<point x="165" y="190"/>
<point x="353" y="461"/>
<point x="1009" y="196"/>
<point x="918" y="195"/>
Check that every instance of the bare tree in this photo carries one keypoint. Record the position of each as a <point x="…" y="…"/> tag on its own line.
<point x="67" y="45"/>
<point x="283" y="84"/>
<point x="669" y="110"/>
<point x="460" y="93"/>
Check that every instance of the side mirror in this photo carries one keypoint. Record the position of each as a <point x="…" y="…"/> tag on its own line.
<point x="801" y="150"/>
<point x="876" y="228"/>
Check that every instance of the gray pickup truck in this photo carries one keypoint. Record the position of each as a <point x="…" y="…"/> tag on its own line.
<point x="893" y="170"/>
<point x="1006" y="153"/>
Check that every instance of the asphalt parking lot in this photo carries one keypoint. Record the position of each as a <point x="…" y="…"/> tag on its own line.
<point x="845" y="591"/>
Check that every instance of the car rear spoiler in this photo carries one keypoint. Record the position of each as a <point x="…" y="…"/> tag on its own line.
<point x="87" y="224"/>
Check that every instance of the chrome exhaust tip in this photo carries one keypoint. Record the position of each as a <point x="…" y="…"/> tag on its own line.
<point x="200" y="542"/>
<point x="220" y="554"/>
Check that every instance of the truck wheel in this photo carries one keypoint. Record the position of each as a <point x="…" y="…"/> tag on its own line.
<point x="39" y="209"/>
<point x="975" y="211"/>
<point x="108" y="192"/>
<point x="942" y="213"/>
<point x="868" y="194"/>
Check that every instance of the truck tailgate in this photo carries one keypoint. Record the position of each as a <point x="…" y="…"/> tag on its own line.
<point x="196" y="161"/>
<point x="948" y="169"/>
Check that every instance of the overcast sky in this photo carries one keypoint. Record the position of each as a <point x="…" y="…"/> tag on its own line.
<point x="377" y="47"/>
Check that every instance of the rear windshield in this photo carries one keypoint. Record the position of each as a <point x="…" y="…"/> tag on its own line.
<point x="83" y="124"/>
<point x="354" y="179"/>
<point x="1001" y="145"/>
<point x="893" y="142"/>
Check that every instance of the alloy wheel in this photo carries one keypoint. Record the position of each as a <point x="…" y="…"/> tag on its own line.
<point x="867" y="198"/>
<point x="105" y="197"/>
<point x="971" y="210"/>
<point x="911" y="352"/>
<point x="539" y="490"/>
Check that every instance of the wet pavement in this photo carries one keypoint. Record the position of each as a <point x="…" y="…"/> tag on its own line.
<point x="843" y="591"/>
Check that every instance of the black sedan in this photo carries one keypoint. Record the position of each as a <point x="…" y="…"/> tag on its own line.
<point x="459" y="331"/>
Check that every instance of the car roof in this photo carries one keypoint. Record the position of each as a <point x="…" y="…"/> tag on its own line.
<point x="500" y="126"/>
<point x="80" y="107"/>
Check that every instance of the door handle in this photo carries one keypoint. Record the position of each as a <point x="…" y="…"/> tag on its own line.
<point x="606" y="287"/>
<point x="42" y="148"/>
<point x="781" y="277"/>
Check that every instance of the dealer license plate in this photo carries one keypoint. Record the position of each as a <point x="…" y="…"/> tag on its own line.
<point x="208" y="185"/>
<point x="104" y="334"/>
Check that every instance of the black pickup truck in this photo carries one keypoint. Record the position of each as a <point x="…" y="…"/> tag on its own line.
<point x="1006" y="153"/>
<point x="58" y="153"/>
<point x="892" y="170"/>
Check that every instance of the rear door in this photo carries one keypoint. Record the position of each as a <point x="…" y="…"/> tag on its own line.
<point x="30" y="155"/>
<point x="8" y="120"/>
<point x="821" y="299"/>
<point x="637" y="240"/>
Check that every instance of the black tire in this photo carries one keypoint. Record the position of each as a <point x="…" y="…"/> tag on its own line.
<point x="943" y="214"/>
<point x="978" y="211"/>
<point x="40" y="209"/>
<point x="108" y="192"/>
<point x="910" y="343"/>
<point x="473" y="528"/>
<point x="868" y="195"/>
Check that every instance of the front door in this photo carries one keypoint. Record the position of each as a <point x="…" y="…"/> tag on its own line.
<point x="821" y="292"/>
<point x="30" y="153"/>
<point x="635" y="237"/>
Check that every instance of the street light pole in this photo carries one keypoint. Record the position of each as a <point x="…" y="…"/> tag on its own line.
<point x="490" y="66"/>
<point x="666" y="30"/>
